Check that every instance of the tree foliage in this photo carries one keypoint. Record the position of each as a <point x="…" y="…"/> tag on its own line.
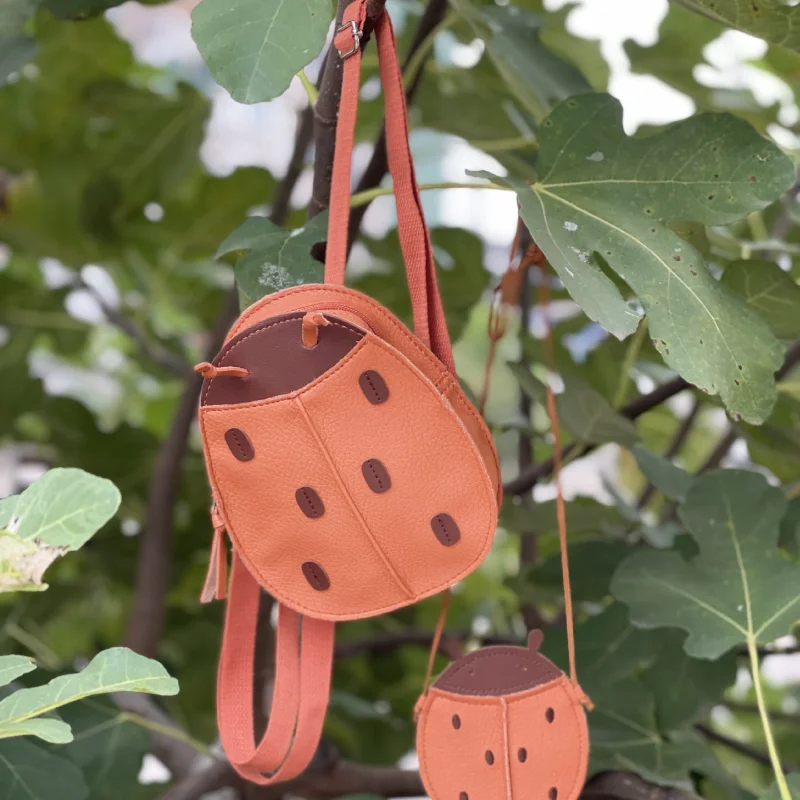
<point x="675" y="255"/>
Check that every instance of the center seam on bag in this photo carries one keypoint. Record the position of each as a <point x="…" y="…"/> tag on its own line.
<point x="353" y="507"/>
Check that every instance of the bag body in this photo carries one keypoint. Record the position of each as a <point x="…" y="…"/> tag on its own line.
<point x="353" y="476"/>
<point x="350" y="471"/>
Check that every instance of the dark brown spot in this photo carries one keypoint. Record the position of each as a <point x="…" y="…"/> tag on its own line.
<point x="711" y="197"/>
<point x="310" y="502"/>
<point x="316" y="576"/>
<point x="374" y="387"/>
<point x="522" y="755"/>
<point x="737" y="383"/>
<point x="676" y="257"/>
<point x="753" y="179"/>
<point x="549" y="715"/>
<point x="553" y="794"/>
<point x="463" y="796"/>
<point x="456" y="721"/>
<point x="489" y="757"/>
<point x="740" y="367"/>
<point x="376" y="476"/>
<point x="239" y="444"/>
<point x="446" y="530"/>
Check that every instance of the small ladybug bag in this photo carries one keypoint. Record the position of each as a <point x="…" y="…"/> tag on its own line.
<point x="349" y="470"/>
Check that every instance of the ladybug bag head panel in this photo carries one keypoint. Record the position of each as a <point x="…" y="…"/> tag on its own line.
<point x="503" y="723"/>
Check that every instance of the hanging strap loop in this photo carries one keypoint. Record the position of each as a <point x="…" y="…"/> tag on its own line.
<point x="303" y="663"/>
<point x="429" y="320"/>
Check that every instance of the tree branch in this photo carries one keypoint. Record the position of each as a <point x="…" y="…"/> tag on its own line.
<point x="681" y="434"/>
<point x="148" y="610"/>
<point x="525" y="481"/>
<point x="732" y="744"/>
<point x="326" y="111"/>
<point x="627" y="786"/>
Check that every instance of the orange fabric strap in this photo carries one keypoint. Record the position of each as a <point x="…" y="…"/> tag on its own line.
<point x="303" y="663"/>
<point x="429" y="319"/>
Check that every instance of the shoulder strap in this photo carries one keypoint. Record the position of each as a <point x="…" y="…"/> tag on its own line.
<point x="303" y="663"/>
<point x="429" y="320"/>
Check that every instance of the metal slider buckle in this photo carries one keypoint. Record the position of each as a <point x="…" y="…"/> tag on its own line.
<point x="352" y="26"/>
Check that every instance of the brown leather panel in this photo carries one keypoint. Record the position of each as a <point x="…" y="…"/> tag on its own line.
<point x="489" y="758"/>
<point x="374" y="387"/>
<point x="496" y="671"/>
<point x="522" y="755"/>
<point x="239" y="444"/>
<point x="456" y="721"/>
<point x="316" y="576"/>
<point x="277" y="360"/>
<point x="446" y="530"/>
<point x="376" y="476"/>
<point x="310" y="502"/>
<point x="550" y="715"/>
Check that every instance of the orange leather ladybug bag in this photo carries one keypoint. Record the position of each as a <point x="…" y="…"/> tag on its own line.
<point x="349" y="470"/>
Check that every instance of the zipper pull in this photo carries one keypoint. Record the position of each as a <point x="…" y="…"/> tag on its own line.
<point x="216" y="583"/>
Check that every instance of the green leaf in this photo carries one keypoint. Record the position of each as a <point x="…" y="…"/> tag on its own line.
<point x="255" y="47"/>
<point x="584" y="515"/>
<point x="737" y="589"/>
<point x="790" y="527"/>
<point x="774" y="792"/>
<point x="537" y="76"/>
<point x="46" y="728"/>
<point x="12" y="667"/>
<point x="770" y="291"/>
<point x="685" y="688"/>
<point x="603" y="195"/>
<point x="582" y="410"/>
<point x="625" y="736"/>
<point x="276" y="258"/>
<point x="29" y="772"/>
<point x="114" y="670"/>
<point x="57" y="513"/>
<point x="670" y="480"/>
<point x="773" y="20"/>
<point x="108" y="746"/>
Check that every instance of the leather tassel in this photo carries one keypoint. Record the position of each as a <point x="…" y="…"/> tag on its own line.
<point x="216" y="583"/>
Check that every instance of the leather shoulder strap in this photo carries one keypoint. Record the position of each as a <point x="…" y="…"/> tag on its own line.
<point x="429" y="320"/>
<point x="303" y="664"/>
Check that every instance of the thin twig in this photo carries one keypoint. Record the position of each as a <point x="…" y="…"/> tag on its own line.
<point x="733" y="744"/>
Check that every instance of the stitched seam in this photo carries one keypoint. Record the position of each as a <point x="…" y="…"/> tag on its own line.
<point x="260" y="330"/>
<point x="291" y="395"/>
<point x="237" y="439"/>
<point x="350" y="501"/>
<point x="375" y="474"/>
<point x="403" y="331"/>
<point x="487" y="539"/>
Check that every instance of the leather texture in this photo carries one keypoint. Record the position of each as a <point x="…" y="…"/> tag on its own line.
<point x="378" y="550"/>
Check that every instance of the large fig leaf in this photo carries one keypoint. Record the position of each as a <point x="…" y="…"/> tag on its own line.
<point x="777" y="21"/>
<point x="603" y="197"/>
<point x="737" y="589"/>
<point x="255" y="47"/>
<point x="29" y="772"/>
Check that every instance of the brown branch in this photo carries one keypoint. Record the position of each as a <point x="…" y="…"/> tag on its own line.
<point x="148" y="610"/>
<point x="681" y="434"/>
<point x="525" y="481"/>
<point x="154" y="351"/>
<point x="627" y="786"/>
<point x="326" y="110"/>
<point x="732" y="744"/>
<point x="378" y="163"/>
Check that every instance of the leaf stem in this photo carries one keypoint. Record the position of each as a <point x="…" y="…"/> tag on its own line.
<point x="755" y="666"/>
<point x="308" y="85"/>
<point x="362" y="198"/>
<point x="631" y="354"/>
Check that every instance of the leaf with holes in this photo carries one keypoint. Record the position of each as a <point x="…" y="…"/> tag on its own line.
<point x="57" y="513"/>
<point x="738" y="589"/>
<point x="276" y="258"/>
<point x="770" y="291"/>
<point x="603" y="198"/>
<point x="255" y="47"/>
<point x="777" y="21"/>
